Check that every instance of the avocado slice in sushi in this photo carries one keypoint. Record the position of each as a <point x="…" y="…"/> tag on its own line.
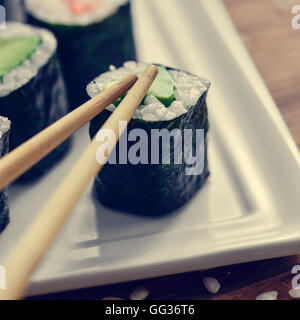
<point x="14" y="51"/>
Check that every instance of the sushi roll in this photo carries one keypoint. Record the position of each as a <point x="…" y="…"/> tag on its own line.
<point x="4" y="143"/>
<point x="32" y="92"/>
<point x="152" y="186"/>
<point x="92" y="35"/>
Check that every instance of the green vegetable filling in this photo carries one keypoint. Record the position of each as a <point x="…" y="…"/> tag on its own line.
<point x="163" y="88"/>
<point x="14" y="51"/>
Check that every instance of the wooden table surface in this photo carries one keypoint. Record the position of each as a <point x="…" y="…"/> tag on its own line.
<point x="265" y="26"/>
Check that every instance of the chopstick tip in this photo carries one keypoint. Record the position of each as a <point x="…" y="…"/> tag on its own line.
<point x="153" y="68"/>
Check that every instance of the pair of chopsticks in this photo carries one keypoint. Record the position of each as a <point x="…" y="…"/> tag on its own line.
<point x="38" y="238"/>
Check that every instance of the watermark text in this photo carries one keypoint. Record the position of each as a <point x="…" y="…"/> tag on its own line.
<point x="296" y="19"/>
<point x="2" y="278"/>
<point x="156" y="147"/>
<point x="296" y="279"/>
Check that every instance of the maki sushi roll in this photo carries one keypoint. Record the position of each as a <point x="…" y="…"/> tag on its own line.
<point x="160" y="163"/>
<point x="92" y="35"/>
<point x="4" y="142"/>
<point x="32" y="92"/>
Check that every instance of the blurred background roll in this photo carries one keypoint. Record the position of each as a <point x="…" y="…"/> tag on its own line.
<point x="92" y="35"/>
<point x="32" y="90"/>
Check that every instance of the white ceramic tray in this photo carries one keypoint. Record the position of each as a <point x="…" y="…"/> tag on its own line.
<point x="249" y="210"/>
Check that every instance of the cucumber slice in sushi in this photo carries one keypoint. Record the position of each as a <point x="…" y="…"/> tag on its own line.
<point x="32" y="91"/>
<point x="154" y="189"/>
<point x="89" y="41"/>
<point x="4" y="146"/>
<point x="13" y="52"/>
<point x="163" y="87"/>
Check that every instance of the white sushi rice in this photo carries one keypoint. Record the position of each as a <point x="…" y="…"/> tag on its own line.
<point x="272" y="295"/>
<point x="295" y="293"/>
<point x="29" y="69"/>
<point x="59" y="12"/>
<point x="212" y="285"/>
<point x="139" y="294"/>
<point x="189" y="89"/>
<point x="4" y="126"/>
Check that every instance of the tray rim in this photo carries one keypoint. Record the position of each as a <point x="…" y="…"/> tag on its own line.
<point x="88" y="278"/>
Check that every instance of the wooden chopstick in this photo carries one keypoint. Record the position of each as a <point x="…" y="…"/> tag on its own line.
<point x="32" y="247"/>
<point x="17" y="162"/>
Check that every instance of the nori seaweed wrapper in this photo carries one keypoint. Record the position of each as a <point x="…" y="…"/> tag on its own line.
<point x="4" y="210"/>
<point x="34" y="107"/>
<point x="87" y="51"/>
<point x="152" y="190"/>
